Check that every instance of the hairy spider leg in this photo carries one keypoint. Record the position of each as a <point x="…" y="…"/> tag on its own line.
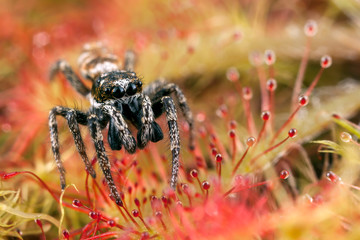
<point x="129" y="61"/>
<point x="160" y="88"/>
<point x="73" y="117"/>
<point x="97" y="137"/>
<point x="171" y="117"/>
<point x="149" y="130"/>
<point x="64" y="67"/>
<point x="124" y="134"/>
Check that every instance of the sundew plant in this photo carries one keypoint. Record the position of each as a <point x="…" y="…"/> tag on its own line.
<point x="274" y="91"/>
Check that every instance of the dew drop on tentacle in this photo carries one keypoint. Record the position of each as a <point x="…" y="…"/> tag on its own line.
<point x="345" y="137"/>
<point x="269" y="57"/>
<point x="271" y="84"/>
<point x="325" y="61"/>
<point x="310" y="28"/>
<point x="284" y="174"/>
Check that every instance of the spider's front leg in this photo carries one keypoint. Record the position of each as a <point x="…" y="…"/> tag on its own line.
<point x="97" y="137"/>
<point x="119" y="133"/>
<point x="73" y="117"/>
<point x="171" y="117"/>
<point x="149" y="130"/>
<point x="159" y="89"/>
<point x="64" y="67"/>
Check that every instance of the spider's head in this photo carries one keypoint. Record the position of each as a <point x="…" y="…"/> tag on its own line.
<point x="115" y="85"/>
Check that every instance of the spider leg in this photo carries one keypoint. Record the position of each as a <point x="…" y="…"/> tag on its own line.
<point x="64" y="67"/>
<point x="73" y="118"/>
<point x="149" y="130"/>
<point x="171" y="117"/>
<point x="129" y="60"/>
<point x="123" y="133"/>
<point x="161" y="88"/>
<point x="96" y="135"/>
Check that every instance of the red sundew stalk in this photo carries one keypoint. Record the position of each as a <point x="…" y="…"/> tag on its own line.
<point x="86" y="230"/>
<point x="240" y="161"/>
<point x="195" y="175"/>
<point x="101" y="192"/>
<point x="218" y="159"/>
<point x="262" y="131"/>
<point x="87" y="190"/>
<point x="249" y="117"/>
<point x="314" y="82"/>
<point x="301" y="73"/>
<point x="272" y="110"/>
<point x="158" y="214"/>
<point x="252" y="161"/>
<point x="285" y="124"/>
<point x="39" y="223"/>
<point x="156" y="157"/>
<point x="216" y="141"/>
<point x="238" y="189"/>
<point x="232" y="136"/>
<point x="131" y="218"/>
<point x="271" y="71"/>
<point x="264" y="93"/>
<point x="106" y="235"/>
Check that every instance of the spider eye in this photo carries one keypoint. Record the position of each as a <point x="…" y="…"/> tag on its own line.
<point x="131" y="89"/>
<point x="138" y="83"/>
<point x="107" y="91"/>
<point x="118" y="92"/>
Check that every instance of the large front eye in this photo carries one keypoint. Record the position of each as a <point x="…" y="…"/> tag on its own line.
<point x="131" y="89"/>
<point x="118" y="92"/>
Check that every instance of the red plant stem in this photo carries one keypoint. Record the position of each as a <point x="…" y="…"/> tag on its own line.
<point x="268" y="150"/>
<point x="121" y="212"/>
<point x="249" y="118"/>
<point x="264" y="93"/>
<point x="231" y="190"/>
<point x="87" y="191"/>
<point x="131" y="218"/>
<point x="272" y="110"/>
<point x="262" y="131"/>
<point x="234" y="149"/>
<point x="240" y="161"/>
<point x="198" y="180"/>
<point x="162" y="223"/>
<point x="313" y="84"/>
<point x="271" y="71"/>
<point x="285" y="124"/>
<point x="217" y="143"/>
<point x="248" y="114"/>
<point x="39" y="223"/>
<point x="147" y="226"/>
<point x="101" y="192"/>
<point x="86" y="228"/>
<point x="42" y="183"/>
<point x="106" y="235"/>
<point x="218" y="168"/>
<point x="300" y="75"/>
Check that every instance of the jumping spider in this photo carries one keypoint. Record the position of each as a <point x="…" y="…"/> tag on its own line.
<point x="117" y="98"/>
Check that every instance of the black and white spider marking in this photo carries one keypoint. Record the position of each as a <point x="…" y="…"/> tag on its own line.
<point x="117" y="99"/>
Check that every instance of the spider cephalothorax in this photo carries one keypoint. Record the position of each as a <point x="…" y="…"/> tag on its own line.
<point x="117" y="99"/>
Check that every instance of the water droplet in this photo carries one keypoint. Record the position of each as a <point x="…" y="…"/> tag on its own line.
<point x="205" y="185"/>
<point x="250" y="141"/>
<point x="325" y="61"/>
<point x="271" y="84"/>
<point x="232" y="74"/>
<point x="270" y="57"/>
<point x="303" y="100"/>
<point x="345" y="137"/>
<point x="292" y="133"/>
<point x="265" y="115"/>
<point x="310" y="28"/>
<point x="284" y="174"/>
